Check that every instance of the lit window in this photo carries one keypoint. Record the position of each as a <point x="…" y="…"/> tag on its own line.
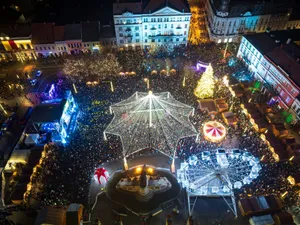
<point x="219" y="41"/>
<point x="225" y="40"/>
<point x="230" y="39"/>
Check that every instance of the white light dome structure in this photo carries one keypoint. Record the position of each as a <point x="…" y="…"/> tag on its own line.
<point x="218" y="172"/>
<point x="147" y="120"/>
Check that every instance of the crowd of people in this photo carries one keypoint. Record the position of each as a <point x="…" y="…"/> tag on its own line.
<point x="70" y="169"/>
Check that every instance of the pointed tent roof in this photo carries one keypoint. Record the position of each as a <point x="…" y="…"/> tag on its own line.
<point x="151" y="121"/>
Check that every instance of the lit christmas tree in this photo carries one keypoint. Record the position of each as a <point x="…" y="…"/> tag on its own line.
<point x="206" y="84"/>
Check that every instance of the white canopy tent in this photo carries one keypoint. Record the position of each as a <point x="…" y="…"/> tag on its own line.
<point x="147" y="120"/>
<point x="17" y="156"/>
<point x="31" y="139"/>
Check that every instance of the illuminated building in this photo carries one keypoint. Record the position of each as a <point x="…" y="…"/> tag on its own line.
<point x="274" y="60"/>
<point x="48" y="39"/>
<point x="160" y="22"/>
<point x="17" y="43"/>
<point x="53" y="40"/>
<point x="228" y="20"/>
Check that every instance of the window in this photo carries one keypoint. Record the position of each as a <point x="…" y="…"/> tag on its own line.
<point x="41" y="48"/>
<point x="159" y="26"/>
<point x="165" y="40"/>
<point x="136" y="28"/>
<point x="120" y="28"/>
<point x="145" y="27"/>
<point x="185" y="26"/>
<point x="137" y="34"/>
<point x="28" y="46"/>
<point x="69" y="46"/>
<point x="88" y="45"/>
<point x="121" y="35"/>
<point x="53" y="47"/>
<point x="153" y="40"/>
<point x="65" y="48"/>
<point x="158" y="40"/>
<point x="281" y="93"/>
<point x="121" y="41"/>
<point x="172" y="25"/>
<point x="49" y="48"/>
<point x="184" y="32"/>
<point x="177" y="39"/>
<point x="137" y="40"/>
<point x="117" y="21"/>
<point x="166" y="25"/>
<point x="146" y="20"/>
<point x="146" y="40"/>
<point x="146" y="34"/>
<point x="287" y="100"/>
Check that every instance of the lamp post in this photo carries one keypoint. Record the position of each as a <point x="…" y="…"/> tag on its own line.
<point x="111" y="86"/>
<point x="75" y="89"/>
<point x="148" y="82"/>
<point x="183" y="82"/>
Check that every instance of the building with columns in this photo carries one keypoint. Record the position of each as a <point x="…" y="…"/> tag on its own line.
<point x="228" y="20"/>
<point x="274" y="59"/>
<point x="155" y="23"/>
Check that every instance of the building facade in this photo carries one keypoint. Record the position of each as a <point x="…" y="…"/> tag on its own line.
<point x="228" y="20"/>
<point x="160" y="22"/>
<point x="274" y="60"/>
<point x="16" y="47"/>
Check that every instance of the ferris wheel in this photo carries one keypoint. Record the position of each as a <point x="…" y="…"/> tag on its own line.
<point x="218" y="172"/>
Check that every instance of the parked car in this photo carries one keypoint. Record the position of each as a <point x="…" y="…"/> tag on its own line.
<point x="6" y="124"/>
<point x="33" y="82"/>
<point x="26" y="116"/>
<point x="38" y="73"/>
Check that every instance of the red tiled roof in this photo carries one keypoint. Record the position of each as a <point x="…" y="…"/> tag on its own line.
<point x="59" y="33"/>
<point x="42" y="33"/>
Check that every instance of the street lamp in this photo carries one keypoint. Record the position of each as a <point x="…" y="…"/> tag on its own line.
<point x="3" y="109"/>
<point x="75" y="89"/>
<point x="183" y="82"/>
<point x="111" y="86"/>
<point x="148" y="82"/>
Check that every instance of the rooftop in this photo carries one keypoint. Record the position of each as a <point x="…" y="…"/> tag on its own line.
<point x="155" y="5"/>
<point x="107" y="31"/>
<point x="47" y="113"/>
<point x="133" y="7"/>
<point x="275" y="46"/>
<point x="90" y="31"/>
<point x="238" y="8"/>
<point x="73" y="31"/>
<point x="42" y="33"/>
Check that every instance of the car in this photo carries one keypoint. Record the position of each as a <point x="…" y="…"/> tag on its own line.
<point x="27" y="115"/>
<point x="38" y="73"/>
<point x="33" y="82"/>
<point x="6" y="124"/>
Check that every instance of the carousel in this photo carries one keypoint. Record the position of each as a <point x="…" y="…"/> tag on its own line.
<point x="214" y="131"/>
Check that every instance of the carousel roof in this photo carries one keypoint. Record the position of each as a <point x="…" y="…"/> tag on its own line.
<point x="147" y="120"/>
<point x="214" y="131"/>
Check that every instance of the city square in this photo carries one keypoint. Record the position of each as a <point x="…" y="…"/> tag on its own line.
<point x="179" y="129"/>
